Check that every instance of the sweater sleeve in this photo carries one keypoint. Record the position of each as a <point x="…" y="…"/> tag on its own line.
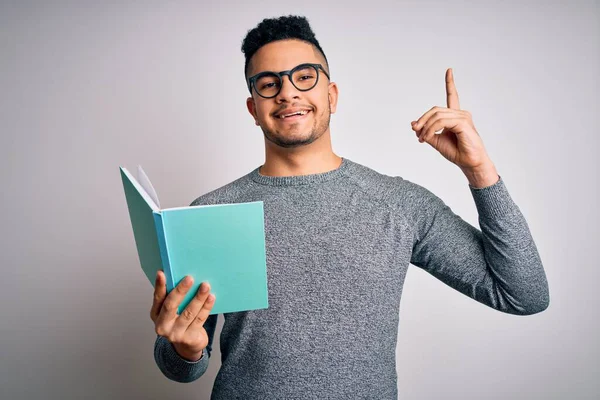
<point x="177" y="368"/>
<point x="498" y="265"/>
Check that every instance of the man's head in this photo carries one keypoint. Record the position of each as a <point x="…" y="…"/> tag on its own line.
<point x="277" y="45"/>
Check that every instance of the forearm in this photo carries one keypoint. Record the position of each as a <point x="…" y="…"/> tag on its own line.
<point x="498" y="265"/>
<point x="515" y="271"/>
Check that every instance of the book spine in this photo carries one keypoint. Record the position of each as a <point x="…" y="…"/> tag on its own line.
<point x="162" y="244"/>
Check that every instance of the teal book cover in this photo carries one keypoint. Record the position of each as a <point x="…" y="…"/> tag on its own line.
<point x="223" y="244"/>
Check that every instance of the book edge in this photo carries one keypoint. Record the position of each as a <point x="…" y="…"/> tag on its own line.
<point x="139" y="188"/>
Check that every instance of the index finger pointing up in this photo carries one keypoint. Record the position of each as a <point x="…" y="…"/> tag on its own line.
<point x="451" y="93"/>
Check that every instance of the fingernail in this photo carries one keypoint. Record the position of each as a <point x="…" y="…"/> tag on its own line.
<point x="204" y="287"/>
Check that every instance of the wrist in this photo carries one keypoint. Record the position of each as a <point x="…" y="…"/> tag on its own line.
<point x="483" y="176"/>
<point x="188" y="356"/>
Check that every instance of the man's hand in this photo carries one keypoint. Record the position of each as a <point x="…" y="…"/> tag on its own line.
<point x="458" y="141"/>
<point x="186" y="331"/>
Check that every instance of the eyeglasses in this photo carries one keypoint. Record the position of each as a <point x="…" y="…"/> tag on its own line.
<point x="268" y="83"/>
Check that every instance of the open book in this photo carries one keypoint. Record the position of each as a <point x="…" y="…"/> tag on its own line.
<point x="223" y="244"/>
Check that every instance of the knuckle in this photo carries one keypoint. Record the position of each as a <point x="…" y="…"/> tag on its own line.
<point x="160" y="330"/>
<point x="187" y="314"/>
<point x="169" y="306"/>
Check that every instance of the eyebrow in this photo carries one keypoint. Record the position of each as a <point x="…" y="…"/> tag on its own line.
<point x="284" y="70"/>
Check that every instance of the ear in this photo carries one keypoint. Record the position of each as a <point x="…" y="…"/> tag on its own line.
<point x="251" y="105"/>
<point x="333" y="96"/>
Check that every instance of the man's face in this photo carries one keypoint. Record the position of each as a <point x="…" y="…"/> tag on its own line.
<point x="320" y="101"/>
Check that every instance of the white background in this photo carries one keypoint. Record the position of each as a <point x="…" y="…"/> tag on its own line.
<point x="87" y="87"/>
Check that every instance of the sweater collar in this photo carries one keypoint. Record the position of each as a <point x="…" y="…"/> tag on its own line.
<point x="300" y="179"/>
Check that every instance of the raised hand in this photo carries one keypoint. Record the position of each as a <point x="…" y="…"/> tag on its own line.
<point x="185" y="331"/>
<point x="459" y="142"/>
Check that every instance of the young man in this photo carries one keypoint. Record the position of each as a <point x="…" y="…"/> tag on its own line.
<point x="339" y="239"/>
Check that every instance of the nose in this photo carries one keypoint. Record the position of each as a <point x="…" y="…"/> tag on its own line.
<point x="288" y="90"/>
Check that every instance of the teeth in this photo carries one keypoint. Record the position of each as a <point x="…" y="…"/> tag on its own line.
<point x="303" y="112"/>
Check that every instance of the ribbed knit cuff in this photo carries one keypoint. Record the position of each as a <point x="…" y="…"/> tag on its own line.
<point x="493" y="201"/>
<point x="172" y="353"/>
<point x="176" y="367"/>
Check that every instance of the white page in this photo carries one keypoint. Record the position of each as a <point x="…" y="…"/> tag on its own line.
<point x="147" y="185"/>
<point x="140" y="189"/>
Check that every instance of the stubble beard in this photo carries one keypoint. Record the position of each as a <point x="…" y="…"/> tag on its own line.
<point x="320" y="125"/>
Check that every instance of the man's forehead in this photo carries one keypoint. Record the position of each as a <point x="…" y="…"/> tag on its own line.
<point x="283" y="55"/>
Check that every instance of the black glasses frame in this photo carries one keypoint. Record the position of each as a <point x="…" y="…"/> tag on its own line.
<point x="252" y="80"/>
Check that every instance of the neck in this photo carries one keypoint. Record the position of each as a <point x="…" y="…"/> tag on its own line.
<point x="314" y="158"/>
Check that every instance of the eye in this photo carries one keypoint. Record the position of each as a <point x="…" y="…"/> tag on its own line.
<point x="268" y="85"/>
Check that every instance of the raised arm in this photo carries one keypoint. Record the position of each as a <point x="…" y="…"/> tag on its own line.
<point x="498" y="265"/>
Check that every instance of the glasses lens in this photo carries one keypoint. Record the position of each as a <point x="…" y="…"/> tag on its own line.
<point x="305" y="78"/>
<point x="267" y="85"/>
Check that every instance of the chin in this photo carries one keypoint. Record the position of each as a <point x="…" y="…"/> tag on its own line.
<point x="293" y="140"/>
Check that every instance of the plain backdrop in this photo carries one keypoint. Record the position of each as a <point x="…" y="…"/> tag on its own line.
<point x="86" y="87"/>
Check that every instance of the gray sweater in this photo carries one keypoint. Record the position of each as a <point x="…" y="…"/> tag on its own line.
<point x="338" y="247"/>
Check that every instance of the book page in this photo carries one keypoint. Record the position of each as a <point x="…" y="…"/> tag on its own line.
<point x="147" y="185"/>
<point x="135" y="185"/>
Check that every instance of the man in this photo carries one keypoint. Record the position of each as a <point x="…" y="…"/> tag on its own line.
<point x="339" y="239"/>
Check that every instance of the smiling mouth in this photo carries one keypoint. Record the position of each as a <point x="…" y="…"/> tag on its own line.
<point x="293" y="116"/>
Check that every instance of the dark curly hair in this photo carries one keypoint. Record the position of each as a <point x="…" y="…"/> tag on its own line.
<point x="272" y="29"/>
